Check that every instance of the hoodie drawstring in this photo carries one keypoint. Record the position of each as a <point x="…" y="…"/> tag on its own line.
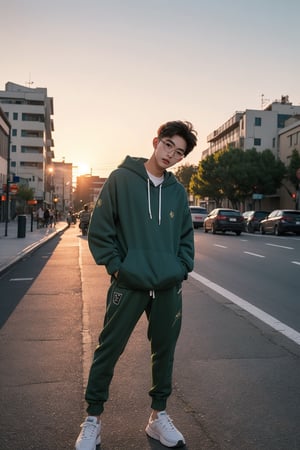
<point x="159" y="206"/>
<point x="149" y="202"/>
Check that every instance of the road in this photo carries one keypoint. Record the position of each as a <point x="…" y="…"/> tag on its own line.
<point x="264" y="270"/>
<point x="236" y="380"/>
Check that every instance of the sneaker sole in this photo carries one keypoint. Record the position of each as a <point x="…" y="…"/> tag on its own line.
<point x="155" y="436"/>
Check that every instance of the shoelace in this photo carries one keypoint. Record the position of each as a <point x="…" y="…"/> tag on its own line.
<point x="89" y="430"/>
<point x="167" y="423"/>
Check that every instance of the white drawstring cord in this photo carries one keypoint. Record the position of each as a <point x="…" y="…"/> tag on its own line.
<point x="149" y="202"/>
<point x="159" y="206"/>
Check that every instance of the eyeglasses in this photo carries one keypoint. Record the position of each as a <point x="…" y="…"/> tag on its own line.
<point x="170" y="148"/>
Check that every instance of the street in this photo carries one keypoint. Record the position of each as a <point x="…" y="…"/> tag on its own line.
<point x="236" y="379"/>
<point x="262" y="269"/>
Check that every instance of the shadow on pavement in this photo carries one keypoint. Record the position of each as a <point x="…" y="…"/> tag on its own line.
<point x="28" y="267"/>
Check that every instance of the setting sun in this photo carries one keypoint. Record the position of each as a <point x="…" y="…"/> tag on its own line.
<point x="83" y="168"/>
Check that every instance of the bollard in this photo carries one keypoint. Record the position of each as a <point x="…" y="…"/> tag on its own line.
<point x="21" y="226"/>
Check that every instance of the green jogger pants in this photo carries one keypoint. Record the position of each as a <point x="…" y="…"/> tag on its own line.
<point x="123" y="310"/>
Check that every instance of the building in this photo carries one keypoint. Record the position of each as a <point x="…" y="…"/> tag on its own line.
<point x="262" y="129"/>
<point x="289" y="140"/>
<point x="30" y="114"/>
<point x="59" y="187"/>
<point x="253" y="128"/>
<point x="4" y="159"/>
<point x="88" y="188"/>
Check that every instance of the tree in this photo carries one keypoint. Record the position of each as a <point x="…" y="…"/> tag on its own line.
<point x="184" y="174"/>
<point x="24" y="194"/>
<point x="207" y="181"/>
<point x="269" y="175"/>
<point x="236" y="174"/>
<point x="293" y="166"/>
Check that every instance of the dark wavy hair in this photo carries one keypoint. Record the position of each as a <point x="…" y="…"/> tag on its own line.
<point x="182" y="129"/>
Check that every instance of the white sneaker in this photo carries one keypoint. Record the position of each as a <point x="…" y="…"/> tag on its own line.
<point x="89" y="435"/>
<point x="163" y="430"/>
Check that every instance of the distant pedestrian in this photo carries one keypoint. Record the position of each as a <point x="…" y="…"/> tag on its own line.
<point x="52" y="220"/>
<point x="141" y="230"/>
<point x="40" y="217"/>
<point x="46" y="217"/>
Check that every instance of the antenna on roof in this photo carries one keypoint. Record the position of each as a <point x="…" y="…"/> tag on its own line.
<point x="29" y="82"/>
<point x="264" y="101"/>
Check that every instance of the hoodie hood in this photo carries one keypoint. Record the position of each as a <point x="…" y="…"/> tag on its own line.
<point x="137" y="165"/>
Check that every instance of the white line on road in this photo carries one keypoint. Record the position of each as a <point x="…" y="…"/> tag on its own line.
<point x="296" y="262"/>
<point x="21" y="279"/>
<point x="281" y="246"/>
<point x="255" y="254"/>
<point x="256" y="312"/>
<point x="222" y="246"/>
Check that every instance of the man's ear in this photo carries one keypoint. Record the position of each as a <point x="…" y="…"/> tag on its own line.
<point x="155" y="142"/>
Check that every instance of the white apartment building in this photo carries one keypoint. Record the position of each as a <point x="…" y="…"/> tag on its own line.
<point x="29" y="111"/>
<point x="253" y="128"/>
<point x="4" y="150"/>
<point x="4" y="143"/>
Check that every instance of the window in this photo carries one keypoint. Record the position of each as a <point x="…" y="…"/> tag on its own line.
<point x="281" y="118"/>
<point x="14" y="148"/>
<point x="14" y="132"/>
<point x="33" y="117"/>
<point x="273" y="142"/>
<point x="257" y="121"/>
<point x="295" y="138"/>
<point x="15" y="116"/>
<point x="32" y="133"/>
<point x="13" y="163"/>
<point x="31" y="164"/>
<point x="257" y="142"/>
<point x="27" y="149"/>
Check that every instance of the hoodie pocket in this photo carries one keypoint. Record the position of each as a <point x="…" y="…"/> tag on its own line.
<point x="150" y="269"/>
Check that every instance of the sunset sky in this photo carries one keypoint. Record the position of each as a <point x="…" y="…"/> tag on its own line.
<point x="117" y="69"/>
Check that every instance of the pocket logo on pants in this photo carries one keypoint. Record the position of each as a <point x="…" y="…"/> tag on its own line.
<point x="117" y="298"/>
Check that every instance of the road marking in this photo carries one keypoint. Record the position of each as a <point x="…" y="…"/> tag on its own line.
<point x="21" y="279"/>
<point x="256" y="312"/>
<point x="281" y="246"/>
<point x="296" y="262"/>
<point x="221" y="246"/>
<point x="255" y="254"/>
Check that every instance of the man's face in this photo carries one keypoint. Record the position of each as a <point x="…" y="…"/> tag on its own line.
<point x="169" y="150"/>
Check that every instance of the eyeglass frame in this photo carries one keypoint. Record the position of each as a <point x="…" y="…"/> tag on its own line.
<point x="170" y="146"/>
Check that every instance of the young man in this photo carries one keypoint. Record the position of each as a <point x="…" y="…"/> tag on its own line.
<point x="141" y="230"/>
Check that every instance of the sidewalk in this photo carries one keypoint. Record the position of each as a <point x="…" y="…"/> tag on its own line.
<point x="12" y="248"/>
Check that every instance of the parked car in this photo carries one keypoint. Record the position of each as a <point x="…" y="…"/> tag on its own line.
<point x="224" y="219"/>
<point x="198" y="215"/>
<point x="281" y="221"/>
<point x="253" y="219"/>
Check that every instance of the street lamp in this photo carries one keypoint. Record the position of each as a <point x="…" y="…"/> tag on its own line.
<point x="51" y="186"/>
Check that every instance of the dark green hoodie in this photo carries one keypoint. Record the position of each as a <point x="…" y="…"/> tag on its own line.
<point x="142" y="231"/>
